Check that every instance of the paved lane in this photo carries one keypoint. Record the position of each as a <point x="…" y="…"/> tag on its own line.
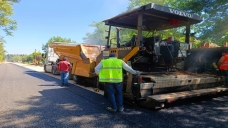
<point x="34" y="99"/>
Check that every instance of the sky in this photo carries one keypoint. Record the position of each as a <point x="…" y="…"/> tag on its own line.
<point x="40" y="20"/>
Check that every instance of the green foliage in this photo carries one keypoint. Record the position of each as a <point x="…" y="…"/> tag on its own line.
<point x="6" y="24"/>
<point x="34" y="54"/>
<point x="2" y="50"/>
<point x="224" y="38"/>
<point x="14" y="57"/>
<point x="6" y="10"/>
<point x="99" y="34"/>
<point x="126" y="35"/>
<point x="177" y="33"/>
<point x="24" y="58"/>
<point x="17" y="58"/>
<point x="29" y="58"/>
<point x="36" y="57"/>
<point x="136" y="3"/>
<point x="56" y="39"/>
<point x="214" y="26"/>
<point x="215" y="16"/>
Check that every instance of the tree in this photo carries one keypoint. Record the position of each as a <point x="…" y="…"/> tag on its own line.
<point x="17" y="58"/>
<point x="24" y="58"/>
<point x="8" y="57"/>
<point x="136" y="3"/>
<point x="29" y="58"/>
<point x="214" y="26"/>
<point x="56" y="39"/>
<point x="37" y="56"/>
<point x="2" y="52"/>
<point x="6" y="24"/>
<point x="99" y="34"/>
<point x="6" y="10"/>
<point x="176" y="32"/>
<point x="215" y="14"/>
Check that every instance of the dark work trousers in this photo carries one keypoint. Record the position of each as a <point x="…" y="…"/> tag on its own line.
<point x="225" y="74"/>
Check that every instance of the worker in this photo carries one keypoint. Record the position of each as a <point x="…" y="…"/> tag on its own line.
<point x="223" y="65"/>
<point x="110" y="72"/>
<point x="64" y="68"/>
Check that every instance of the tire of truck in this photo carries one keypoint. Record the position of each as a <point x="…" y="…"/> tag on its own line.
<point x="45" y="69"/>
<point x="75" y="79"/>
<point x="71" y="76"/>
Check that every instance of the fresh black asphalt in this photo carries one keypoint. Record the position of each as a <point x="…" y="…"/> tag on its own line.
<point x="34" y="99"/>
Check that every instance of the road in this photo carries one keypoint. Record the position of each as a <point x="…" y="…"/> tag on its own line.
<point x="32" y="98"/>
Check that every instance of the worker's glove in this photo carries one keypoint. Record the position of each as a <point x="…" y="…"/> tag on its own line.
<point x="138" y="73"/>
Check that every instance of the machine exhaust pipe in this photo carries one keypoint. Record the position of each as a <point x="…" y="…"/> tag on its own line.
<point x="118" y="37"/>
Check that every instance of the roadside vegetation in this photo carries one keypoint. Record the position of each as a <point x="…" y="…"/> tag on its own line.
<point x="7" y="24"/>
<point x="213" y="28"/>
<point x="36" y="58"/>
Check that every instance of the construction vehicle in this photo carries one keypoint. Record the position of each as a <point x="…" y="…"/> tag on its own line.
<point x="81" y="56"/>
<point x="164" y="63"/>
<point x="51" y="60"/>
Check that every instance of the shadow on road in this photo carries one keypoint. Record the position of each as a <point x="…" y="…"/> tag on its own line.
<point x="77" y="107"/>
<point x="42" y="76"/>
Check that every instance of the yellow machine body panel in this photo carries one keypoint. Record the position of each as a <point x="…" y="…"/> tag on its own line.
<point x="84" y="68"/>
<point x="131" y="53"/>
<point x="82" y="56"/>
<point x="124" y="53"/>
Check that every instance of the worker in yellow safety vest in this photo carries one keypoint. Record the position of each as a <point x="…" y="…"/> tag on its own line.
<point x="223" y="65"/>
<point x="110" y="72"/>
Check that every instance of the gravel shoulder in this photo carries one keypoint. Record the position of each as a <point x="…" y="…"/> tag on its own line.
<point x="32" y="67"/>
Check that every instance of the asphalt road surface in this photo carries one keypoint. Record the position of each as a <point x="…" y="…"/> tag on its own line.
<point x="30" y="98"/>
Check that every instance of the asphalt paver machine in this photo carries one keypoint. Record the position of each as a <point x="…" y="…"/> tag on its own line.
<point x="164" y="78"/>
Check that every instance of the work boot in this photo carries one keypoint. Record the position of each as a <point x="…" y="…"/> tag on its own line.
<point x="67" y="85"/>
<point x="121" y="110"/>
<point x="110" y="109"/>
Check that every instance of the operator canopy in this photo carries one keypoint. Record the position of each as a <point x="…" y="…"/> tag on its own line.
<point x="155" y="17"/>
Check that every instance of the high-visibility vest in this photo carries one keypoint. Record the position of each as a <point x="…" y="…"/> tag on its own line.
<point x="111" y="71"/>
<point x="224" y="65"/>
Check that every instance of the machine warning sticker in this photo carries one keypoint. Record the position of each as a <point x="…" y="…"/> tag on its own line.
<point x="125" y="48"/>
<point x="105" y="53"/>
